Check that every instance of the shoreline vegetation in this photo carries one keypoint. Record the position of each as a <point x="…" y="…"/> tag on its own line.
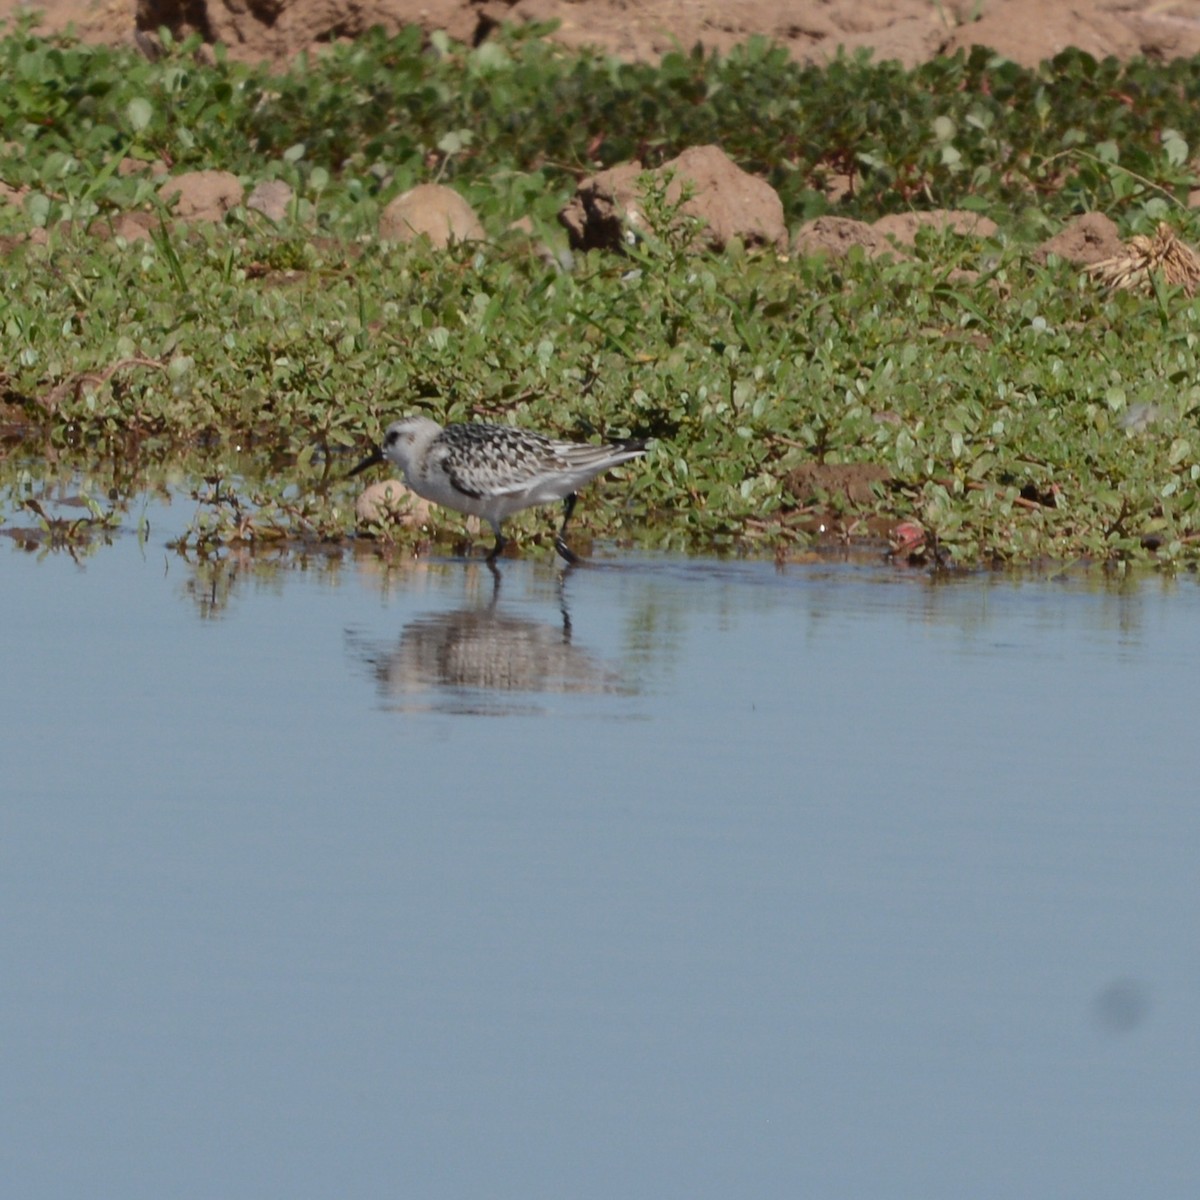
<point x="963" y="398"/>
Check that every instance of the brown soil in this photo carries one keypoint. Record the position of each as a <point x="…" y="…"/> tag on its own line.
<point x="911" y="31"/>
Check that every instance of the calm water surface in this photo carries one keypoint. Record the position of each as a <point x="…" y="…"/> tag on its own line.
<point x="672" y="879"/>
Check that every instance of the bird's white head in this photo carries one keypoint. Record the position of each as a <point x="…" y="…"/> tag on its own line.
<point x="404" y="444"/>
<point x="405" y="441"/>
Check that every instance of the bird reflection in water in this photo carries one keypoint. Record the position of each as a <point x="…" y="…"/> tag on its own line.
<point x="484" y="659"/>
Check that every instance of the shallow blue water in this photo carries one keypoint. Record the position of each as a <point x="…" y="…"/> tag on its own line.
<point x="675" y="879"/>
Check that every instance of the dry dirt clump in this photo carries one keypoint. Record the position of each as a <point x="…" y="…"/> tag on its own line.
<point x="273" y="198"/>
<point x="12" y="195"/>
<point x="893" y="234"/>
<point x="609" y="207"/>
<point x="202" y="195"/>
<point x="1087" y="239"/>
<point x="432" y="211"/>
<point x="911" y="31"/>
<point x="835" y="237"/>
<point x="903" y="227"/>
<point x="132" y="226"/>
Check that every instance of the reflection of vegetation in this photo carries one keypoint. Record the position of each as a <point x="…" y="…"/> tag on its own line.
<point x="654" y="631"/>
<point x="77" y="536"/>
<point x="1016" y="414"/>
<point x="210" y="585"/>
<point x="216" y="575"/>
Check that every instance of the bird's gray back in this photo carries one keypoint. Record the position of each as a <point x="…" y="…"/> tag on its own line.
<point x="487" y="460"/>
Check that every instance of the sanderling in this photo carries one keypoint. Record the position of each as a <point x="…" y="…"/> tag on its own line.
<point x="493" y="471"/>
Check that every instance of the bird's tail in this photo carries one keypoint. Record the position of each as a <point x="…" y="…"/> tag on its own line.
<point x="630" y="447"/>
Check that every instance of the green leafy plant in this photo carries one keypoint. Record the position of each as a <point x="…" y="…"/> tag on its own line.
<point x="1010" y="411"/>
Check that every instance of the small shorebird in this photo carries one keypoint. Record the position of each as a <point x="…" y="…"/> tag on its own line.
<point x="493" y="471"/>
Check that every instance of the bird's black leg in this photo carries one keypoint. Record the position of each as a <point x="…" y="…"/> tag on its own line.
<point x="560" y="542"/>
<point x="562" y="608"/>
<point x="496" y="577"/>
<point x="568" y="509"/>
<point x="498" y="548"/>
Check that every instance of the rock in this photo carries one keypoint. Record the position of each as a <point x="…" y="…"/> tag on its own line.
<point x="202" y="195"/>
<point x="391" y="502"/>
<point x="607" y="207"/>
<point x="433" y="211"/>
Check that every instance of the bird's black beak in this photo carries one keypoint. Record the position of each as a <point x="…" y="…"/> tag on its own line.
<point x="376" y="456"/>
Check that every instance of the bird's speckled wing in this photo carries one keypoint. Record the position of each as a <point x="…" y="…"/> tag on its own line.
<point x="493" y="460"/>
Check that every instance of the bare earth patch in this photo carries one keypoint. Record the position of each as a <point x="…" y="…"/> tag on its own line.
<point x="911" y="31"/>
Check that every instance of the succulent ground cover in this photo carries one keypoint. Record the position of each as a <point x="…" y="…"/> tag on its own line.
<point x="987" y="408"/>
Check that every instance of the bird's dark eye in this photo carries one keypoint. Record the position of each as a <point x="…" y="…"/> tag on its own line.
<point x="393" y="436"/>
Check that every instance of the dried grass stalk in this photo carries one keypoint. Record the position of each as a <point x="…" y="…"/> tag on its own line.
<point x="1176" y="261"/>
